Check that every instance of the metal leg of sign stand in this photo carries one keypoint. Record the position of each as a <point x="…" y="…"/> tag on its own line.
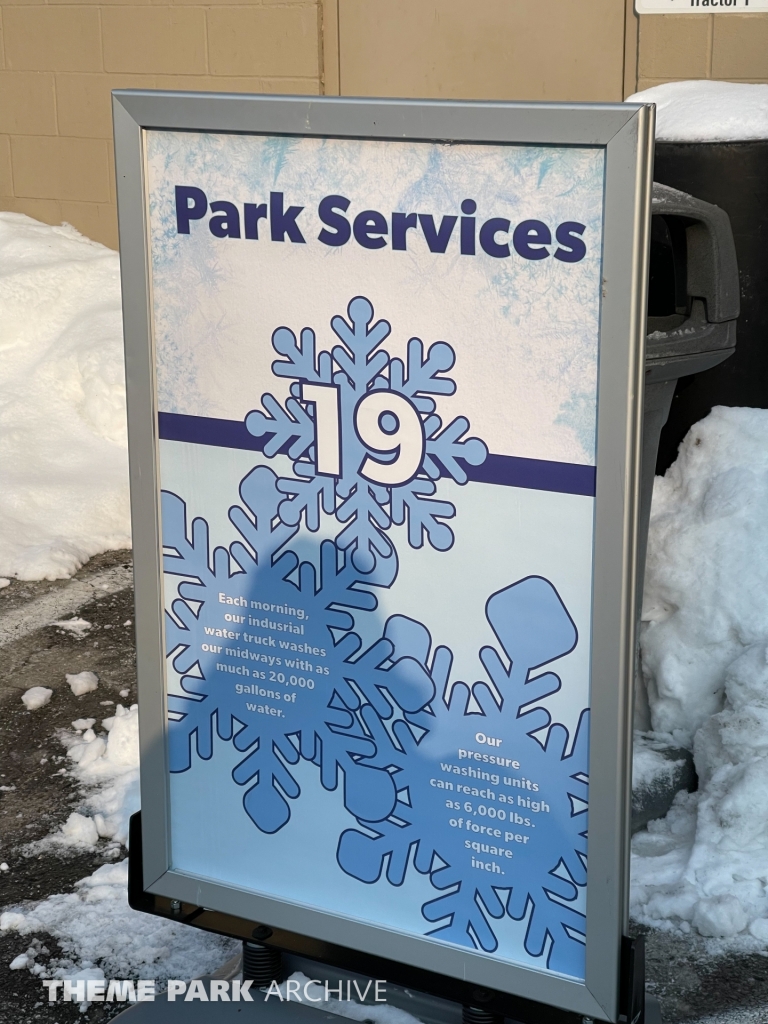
<point x="262" y="965"/>
<point x="473" y="1015"/>
<point x="652" y="1010"/>
<point x="632" y="996"/>
<point x="273" y="954"/>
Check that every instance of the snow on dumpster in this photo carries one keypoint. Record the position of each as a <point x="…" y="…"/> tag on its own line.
<point x="706" y="111"/>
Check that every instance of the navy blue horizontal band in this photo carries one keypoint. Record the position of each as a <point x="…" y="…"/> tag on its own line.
<point x="207" y="430"/>
<point x="506" y="470"/>
<point x="537" y="474"/>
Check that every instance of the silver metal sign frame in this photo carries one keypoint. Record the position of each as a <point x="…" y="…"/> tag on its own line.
<point x="626" y="133"/>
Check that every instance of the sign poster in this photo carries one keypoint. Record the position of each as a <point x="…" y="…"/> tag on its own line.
<point x="376" y="372"/>
<point x="700" y="6"/>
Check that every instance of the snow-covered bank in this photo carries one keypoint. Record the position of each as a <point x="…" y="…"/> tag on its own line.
<point x="706" y="583"/>
<point x="704" y="111"/>
<point x="63" y="451"/>
<point x="704" y="646"/>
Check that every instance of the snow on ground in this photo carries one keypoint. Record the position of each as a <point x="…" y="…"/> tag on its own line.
<point x="107" y="767"/>
<point x="706" y="589"/>
<point x="82" y="682"/>
<point x="94" y="925"/>
<point x="36" y="697"/>
<point x="75" y="625"/>
<point x="703" y="111"/>
<point x="63" y="458"/>
<point x="704" y="648"/>
<point x="64" y="498"/>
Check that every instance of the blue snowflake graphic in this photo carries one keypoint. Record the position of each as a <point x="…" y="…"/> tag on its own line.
<point x="373" y="482"/>
<point x="499" y="828"/>
<point x="471" y="784"/>
<point x="269" y="658"/>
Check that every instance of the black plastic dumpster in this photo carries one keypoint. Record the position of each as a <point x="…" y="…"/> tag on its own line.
<point x="734" y="176"/>
<point x="693" y="303"/>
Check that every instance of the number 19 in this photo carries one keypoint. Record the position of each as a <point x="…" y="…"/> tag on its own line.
<point x="386" y="422"/>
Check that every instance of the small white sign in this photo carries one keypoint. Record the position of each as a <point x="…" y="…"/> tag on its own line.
<point x="700" y="6"/>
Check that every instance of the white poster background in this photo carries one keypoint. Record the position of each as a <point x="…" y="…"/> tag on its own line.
<point x="531" y="326"/>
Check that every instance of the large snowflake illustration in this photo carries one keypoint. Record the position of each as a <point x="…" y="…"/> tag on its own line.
<point x="269" y="659"/>
<point x="366" y="442"/>
<point x="492" y="801"/>
<point x="471" y="784"/>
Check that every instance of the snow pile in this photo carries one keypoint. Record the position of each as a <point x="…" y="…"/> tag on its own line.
<point x="94" y="924"/>
<point x="77" y="626"/>
<point x="98" y="932"/>
<point x="80" y="830"/>
<point x="111" y="767"/>
<point x="82" y="682"/>
<point x="36" y="697"/>
<point x="708" y="111"/>
<point x="107" y="767"/>
<point x="706" y="584"/>
<point x="63" y="446"/>
<point x="704" y="647"/>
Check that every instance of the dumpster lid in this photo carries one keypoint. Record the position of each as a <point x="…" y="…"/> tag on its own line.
<point x="712" y="270"/>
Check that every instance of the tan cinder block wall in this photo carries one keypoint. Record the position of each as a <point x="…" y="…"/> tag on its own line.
<point x="483" y="49"/>
<point x="59" y="62"/>
<point x="732" y="47"/>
